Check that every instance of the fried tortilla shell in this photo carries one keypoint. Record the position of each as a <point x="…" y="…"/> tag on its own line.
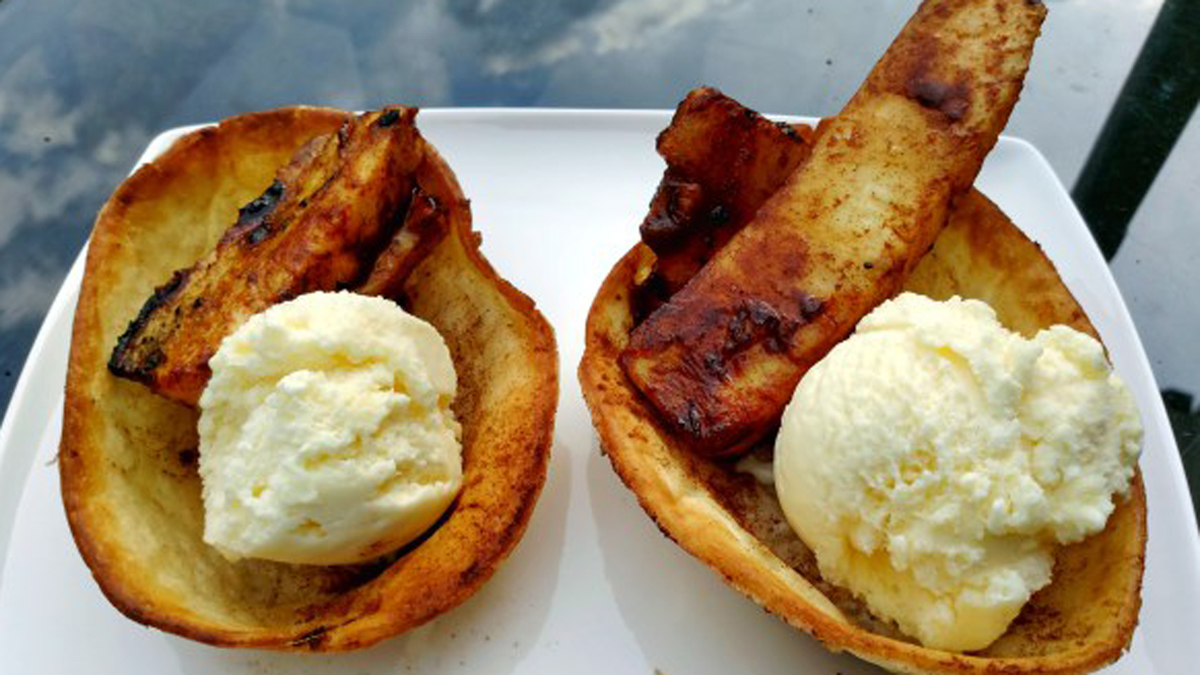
<point x="128" y="457"/>
<point x="732" y="523"/>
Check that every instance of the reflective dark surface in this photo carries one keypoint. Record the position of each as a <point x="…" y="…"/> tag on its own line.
<point x="85" y="85"/>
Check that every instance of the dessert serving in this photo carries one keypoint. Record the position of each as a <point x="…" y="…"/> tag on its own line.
<point x="303" y="411"/>
<point x="843" y="379"/>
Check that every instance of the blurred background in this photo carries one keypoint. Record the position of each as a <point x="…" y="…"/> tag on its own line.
<point x="85" y="85"/>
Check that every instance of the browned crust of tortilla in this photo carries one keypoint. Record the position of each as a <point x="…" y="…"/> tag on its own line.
<point x="127" y="457"/>
<point x="1083" y="620"/>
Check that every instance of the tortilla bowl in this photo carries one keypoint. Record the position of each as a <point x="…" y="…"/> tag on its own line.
<point x="1083" y="620"/>
<point x="128" y="457"/>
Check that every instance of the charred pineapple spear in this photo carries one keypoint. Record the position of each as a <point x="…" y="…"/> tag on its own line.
<point x="720" y="359"/>
<point x="346" y="212"/>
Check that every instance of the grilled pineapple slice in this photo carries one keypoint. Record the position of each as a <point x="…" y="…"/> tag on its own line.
<point x="720" y="360"/>
<point x="318" y="226"/>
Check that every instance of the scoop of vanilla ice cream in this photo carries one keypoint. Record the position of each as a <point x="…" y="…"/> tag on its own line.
<point x="933" y="459"/>
<point x="326" y="434"/>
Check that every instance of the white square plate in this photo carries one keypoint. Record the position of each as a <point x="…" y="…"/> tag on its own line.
<point x="594" y="587"/>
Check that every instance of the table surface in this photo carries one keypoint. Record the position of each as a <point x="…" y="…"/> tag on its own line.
<point x="85" y="85"/>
